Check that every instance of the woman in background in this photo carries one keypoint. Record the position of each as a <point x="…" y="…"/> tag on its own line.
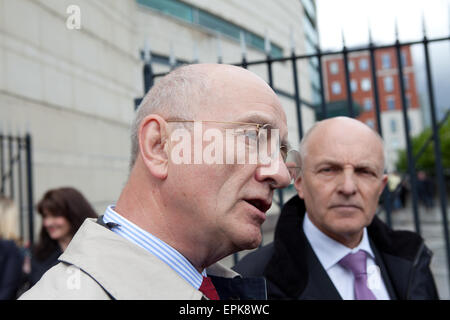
<point x="11" y="257"/>
<point x="63" y="211"/>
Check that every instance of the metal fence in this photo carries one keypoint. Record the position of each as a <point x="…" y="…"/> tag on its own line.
<point x="16" y="180"/>
<point x="149" y="78"/>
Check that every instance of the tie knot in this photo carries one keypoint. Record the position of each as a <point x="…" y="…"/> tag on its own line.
<point x="355" y="262"/>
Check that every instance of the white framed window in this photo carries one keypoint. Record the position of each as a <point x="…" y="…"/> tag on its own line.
<point x="404" y="58"/>
<point x="334" y="68"/>
<point x="408" y="101"/>
<point x="366" y="85"/>
<point x="336" y="87"/>
<point x="367" y="104"/>
<point x="390" y="103"/>
<point x="363" y="64"/>
<point x="353" y="85"/>
<point x="388" y="84"/>
<point x="393" y="125"/>
<point x="406" y="81"/>
<point x="351" y="66"/>
<point x="370" y="123"/>
<point x="386" y="61"/>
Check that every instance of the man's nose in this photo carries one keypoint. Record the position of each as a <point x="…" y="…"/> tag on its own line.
<point x="347" y="185"/>
<point x="275" y="172"/>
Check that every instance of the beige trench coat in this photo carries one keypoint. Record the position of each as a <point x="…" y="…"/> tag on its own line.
<point x="99" y="264"/>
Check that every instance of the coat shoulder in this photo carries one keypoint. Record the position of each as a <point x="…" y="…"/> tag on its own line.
<point x="254" y="263"/>
<point x="65" y="282"/>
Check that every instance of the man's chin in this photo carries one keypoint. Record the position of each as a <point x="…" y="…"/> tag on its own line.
<point x="249" y="242"/>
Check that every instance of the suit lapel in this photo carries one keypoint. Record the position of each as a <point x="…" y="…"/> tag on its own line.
<point x="384" y="273"/>
<point x="319" y="286"/>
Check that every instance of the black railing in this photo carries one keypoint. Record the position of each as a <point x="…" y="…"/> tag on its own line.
<point x="372" y="48"/>
<point x="16" y="179"/>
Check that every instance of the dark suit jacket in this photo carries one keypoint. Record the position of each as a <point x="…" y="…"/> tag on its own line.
<point x="293" y="271"/>
<point x="11" y="262"/>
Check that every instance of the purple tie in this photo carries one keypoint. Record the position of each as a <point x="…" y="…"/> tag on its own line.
<point x="356" y="263"/>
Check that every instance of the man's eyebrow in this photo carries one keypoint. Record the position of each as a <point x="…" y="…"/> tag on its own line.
<point x="256" y="118"/>
<point x="333" y="162"/>
<point x="328" y="162"/>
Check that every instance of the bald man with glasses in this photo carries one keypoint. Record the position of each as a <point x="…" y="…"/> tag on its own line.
<point x="209" y="147"/>
<point x="329" y="245"/>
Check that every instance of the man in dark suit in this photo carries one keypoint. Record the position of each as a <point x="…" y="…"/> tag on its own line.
<point x="328" y="243"/>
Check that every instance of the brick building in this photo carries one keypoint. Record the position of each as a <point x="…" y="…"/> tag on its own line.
<point x="389" y="93"/>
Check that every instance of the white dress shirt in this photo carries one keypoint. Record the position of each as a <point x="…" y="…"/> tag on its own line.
<point x="330" y="252"/>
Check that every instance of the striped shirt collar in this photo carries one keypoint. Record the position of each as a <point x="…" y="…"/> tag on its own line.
<point x="155" y="246"/>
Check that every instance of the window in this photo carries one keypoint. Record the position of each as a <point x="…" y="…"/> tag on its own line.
<point x="370" y="123"/>
<point x="367" y="104"/>
<point x="393" y="125"/>
<point x="353" y="85"/>
<point x="336" y="87"/>
<point x="171" y="7"/>
<point x="363" y="64"/>
<point x="334" y="68"/>
<point x="351" y="66"/>
<point x="386" y="61"/>
<point x="191" y="14"/>
<point x="366" y="84"/>
<point x="388" y="84"/>
<point x="408" y="101"/>
<point x="395" y="144"/>
<point x="406" y="81"/>
<point x="390" y="103"/>
<point x="404" y="58"/>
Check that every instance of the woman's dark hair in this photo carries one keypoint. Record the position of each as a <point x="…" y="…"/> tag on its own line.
<point x="67" y="202"/>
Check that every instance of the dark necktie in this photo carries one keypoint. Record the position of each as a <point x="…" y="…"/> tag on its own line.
<point x="208" y="289"/>
<point x="356" y="263"/>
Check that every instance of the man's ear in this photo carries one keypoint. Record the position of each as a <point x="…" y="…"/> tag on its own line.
<point x="152" y="145"/>
<point x="384" y="181"/>
<point x="298" y="184"/>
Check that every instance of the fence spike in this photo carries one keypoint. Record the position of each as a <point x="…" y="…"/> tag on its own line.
<point x="243" y="44"/>
<point x="291" y="37"/>
<point x="343" y="37"/>
<point x="424" y="26"/>
<point x="267" y="45"/>
<point x="172" y="60"/>
<point x="195" y="53"/>
<point x="396" y="29"/>
<point x="219" y="48"/>
<point x="147" y="51"/>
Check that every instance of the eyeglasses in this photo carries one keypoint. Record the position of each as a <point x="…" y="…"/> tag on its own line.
<point x="260" y="136"/>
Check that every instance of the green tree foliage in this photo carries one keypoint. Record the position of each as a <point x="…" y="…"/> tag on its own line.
<point x="427" y="160"/>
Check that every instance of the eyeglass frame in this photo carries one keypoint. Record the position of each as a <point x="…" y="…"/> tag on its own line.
<point x="258" y="127"/>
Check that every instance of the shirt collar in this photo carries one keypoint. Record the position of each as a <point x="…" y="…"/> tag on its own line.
<point x="329" y="251"/>
<point x="166" y="253"/>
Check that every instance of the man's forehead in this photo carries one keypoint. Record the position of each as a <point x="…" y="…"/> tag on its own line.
<point x="358" y="154"/>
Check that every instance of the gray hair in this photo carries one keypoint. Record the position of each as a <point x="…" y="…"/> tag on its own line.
<point x="173" y="96"/>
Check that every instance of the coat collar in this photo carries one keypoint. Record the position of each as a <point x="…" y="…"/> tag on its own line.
<point x="122" y="269"/>
<point x="126" y="271"/>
